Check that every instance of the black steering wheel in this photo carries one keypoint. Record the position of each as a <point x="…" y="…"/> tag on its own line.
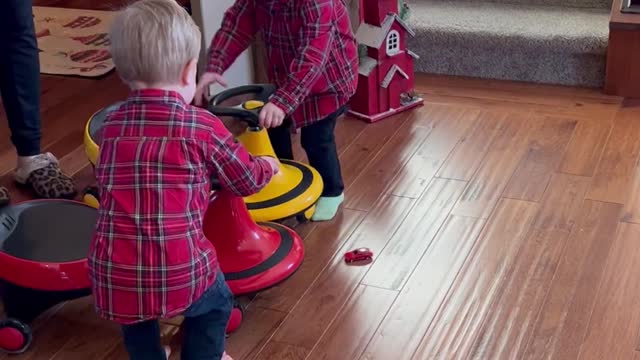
<point x="248" y="111"/>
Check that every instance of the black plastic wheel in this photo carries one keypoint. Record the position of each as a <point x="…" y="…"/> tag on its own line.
<point x="15" y="336"/>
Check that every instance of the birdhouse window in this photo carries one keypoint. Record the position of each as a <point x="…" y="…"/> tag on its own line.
<point x="393" y="43"/>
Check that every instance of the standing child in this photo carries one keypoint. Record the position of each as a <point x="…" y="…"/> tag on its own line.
<point x="312" y="57"/>
<point x="149" y="258"/>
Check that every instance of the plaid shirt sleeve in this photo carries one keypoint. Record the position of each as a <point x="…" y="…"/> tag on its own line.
<point x="236" y="33"/>
<point x="316" y="37"/>
<point x="236" y="170"/>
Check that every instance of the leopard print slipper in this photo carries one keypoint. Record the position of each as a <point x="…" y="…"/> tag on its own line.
<point x="50" y="182"/>
<point x="4" y="196"/>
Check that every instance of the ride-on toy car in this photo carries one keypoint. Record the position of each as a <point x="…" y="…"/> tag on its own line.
<point x="43" y="249"/>
<point x="294" y="191"/>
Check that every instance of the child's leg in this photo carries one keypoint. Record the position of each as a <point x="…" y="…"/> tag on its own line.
<point x="318" y="141"/>
<point x="280" y="138"/>
<point x="142" y="341"/>
<point x="205" y="323"/>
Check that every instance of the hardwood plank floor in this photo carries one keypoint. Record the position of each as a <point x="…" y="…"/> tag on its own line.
<point x="503" y="219"/>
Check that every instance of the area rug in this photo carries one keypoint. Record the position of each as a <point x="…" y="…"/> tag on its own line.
<point x="73" y="41"/>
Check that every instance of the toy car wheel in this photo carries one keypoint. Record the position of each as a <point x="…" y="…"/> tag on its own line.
<point x="90" y="197"/>
<point x="306" y="215"/>
<point x="301" y="218"/>
<point x="235" y="319"/>
<point x="15" y="336"/>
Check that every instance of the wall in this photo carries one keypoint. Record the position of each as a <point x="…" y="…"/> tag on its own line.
<point x="208" y="15"/>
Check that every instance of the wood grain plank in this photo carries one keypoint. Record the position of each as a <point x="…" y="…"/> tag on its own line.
<point x="347" y="131"/>
<point x="328" y="294"/>
<point x="367" y="145"/>
<point x="320" y="246"/>
<point x="613" y="330"/>
<point x="471" y="149"/>
<point x="459" y="320"/>
<point x="586" y="147"/>
<point x="564" y="318"/>
<point x="617" y="166"/>
<point x="542" y="158"/>
<point x="503" y="157"/>
<point x="511" y="317"/>
<point x="376" y="178"/>
<point x="447" y="130"/>
<point x="354" y="326"/>
<point x="396" y="262"/>
<point x="258" y="326"/>
<point x="56" y="332"/>
<point x="508" y="96"/>
<point x="280" y="351"/>
<point x="410" y="316"/>
<point x="93" y="340"/>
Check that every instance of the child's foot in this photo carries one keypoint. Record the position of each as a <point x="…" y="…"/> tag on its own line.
<point x="167" y="351"/>
<point x="43" y="175"/>
<point x="226" y="356"/>
<point x="327" y="208"/>
<point x="4" y="196"/>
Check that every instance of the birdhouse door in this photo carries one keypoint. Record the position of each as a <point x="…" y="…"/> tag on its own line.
<point x="395" y="89"/>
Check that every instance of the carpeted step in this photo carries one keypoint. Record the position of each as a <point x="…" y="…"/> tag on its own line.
<point x="593" y="4"/>
<point x="545" y="44"/>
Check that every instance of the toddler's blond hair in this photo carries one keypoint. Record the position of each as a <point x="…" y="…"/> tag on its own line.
<point x="152" y="41"/>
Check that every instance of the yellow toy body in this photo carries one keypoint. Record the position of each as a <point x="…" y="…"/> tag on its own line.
<point x="292" y="192"/>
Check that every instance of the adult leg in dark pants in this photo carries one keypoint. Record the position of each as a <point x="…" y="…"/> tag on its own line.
<point x="20" y="89"/>
<point x="20" y="76"/>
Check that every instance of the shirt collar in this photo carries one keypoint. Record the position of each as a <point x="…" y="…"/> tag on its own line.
<point x="156" y="95"/>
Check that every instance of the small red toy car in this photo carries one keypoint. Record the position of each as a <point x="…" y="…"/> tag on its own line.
<point x="361" y="255"/>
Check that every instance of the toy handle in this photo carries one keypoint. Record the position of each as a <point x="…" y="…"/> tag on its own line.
<point x="248" y="111"/>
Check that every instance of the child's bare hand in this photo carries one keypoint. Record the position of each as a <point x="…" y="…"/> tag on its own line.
<point x="271" y="116"/>
<point x="273" y="162"/>
<point x="202" y="90"/>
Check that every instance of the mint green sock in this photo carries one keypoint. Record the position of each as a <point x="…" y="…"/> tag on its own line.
<point x="327" y="207"/>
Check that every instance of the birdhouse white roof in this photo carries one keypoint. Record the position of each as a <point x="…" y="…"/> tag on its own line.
<point x="387" y="79"/>
<point x="367" y="64"/>
<point x="373" y="36"/>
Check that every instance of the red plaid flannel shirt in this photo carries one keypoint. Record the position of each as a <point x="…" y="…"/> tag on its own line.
<point x="312" y="52"/>
<point x="149" y="257"/>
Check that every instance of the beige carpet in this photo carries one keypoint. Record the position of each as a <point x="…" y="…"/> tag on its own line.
<point x="523" y="40"/>
<point x="73" y="41"/>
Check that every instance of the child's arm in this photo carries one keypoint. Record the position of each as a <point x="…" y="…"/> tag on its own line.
<point x="236" y="170"/>
<point x="235" y="35"/>
<point x="312" y="55"/>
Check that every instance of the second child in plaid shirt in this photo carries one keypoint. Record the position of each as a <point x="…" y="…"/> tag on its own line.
<point x="149" y="258"/>
<point x="312" y="57"/>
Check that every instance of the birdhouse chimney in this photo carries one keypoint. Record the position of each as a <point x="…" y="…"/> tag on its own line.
<point x="376" y="10"/>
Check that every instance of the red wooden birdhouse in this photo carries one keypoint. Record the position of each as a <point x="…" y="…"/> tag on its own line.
<point x="385" y="73"/>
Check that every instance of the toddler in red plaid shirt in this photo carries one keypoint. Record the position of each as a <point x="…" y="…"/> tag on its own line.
<point x="149" y="258"/>
<point x="313" y="60"/>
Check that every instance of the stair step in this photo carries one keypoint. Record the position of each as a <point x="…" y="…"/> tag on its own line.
<point x="594" y="4"/>
<point x="535" y="43"/>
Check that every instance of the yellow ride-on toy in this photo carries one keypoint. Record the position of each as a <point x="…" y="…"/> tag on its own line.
<point x="294" y="191"/>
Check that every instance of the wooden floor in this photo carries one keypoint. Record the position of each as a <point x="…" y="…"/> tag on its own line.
<point x="504" y="218"/>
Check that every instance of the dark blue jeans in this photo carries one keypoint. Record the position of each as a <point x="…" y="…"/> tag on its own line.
<point x="319" y="142"/>
<point x="204" y="325"/>
<point x="20" y="75"/>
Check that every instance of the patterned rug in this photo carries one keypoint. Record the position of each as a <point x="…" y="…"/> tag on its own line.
<point x="73" y="41"/>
